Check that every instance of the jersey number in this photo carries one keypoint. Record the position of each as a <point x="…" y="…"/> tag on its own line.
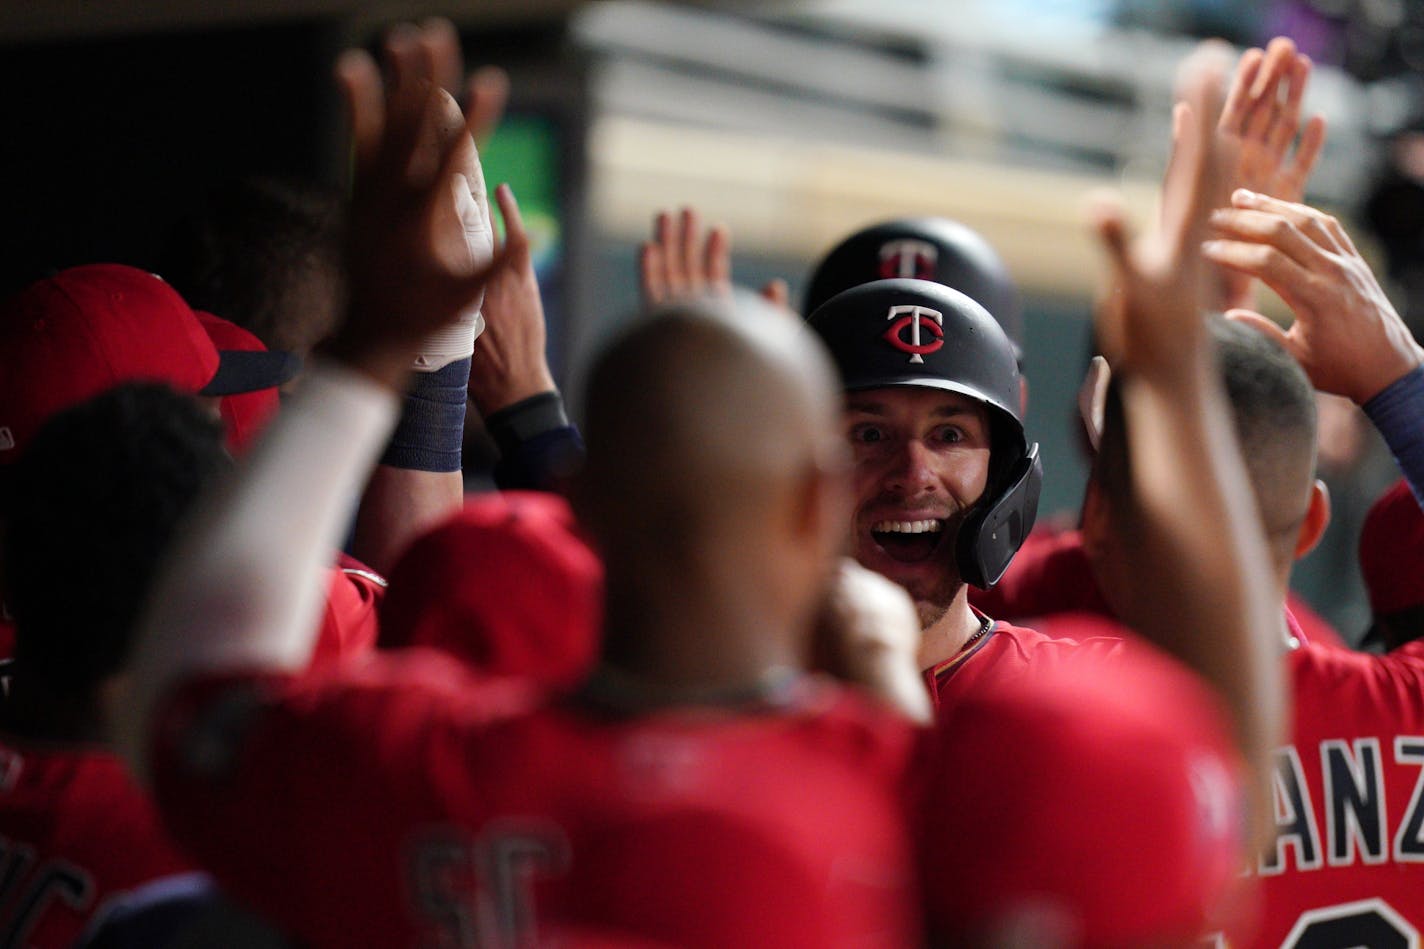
<point x="27" y="890"/>
<point x="479" y="895"/>
<point x="1368" y="924"/>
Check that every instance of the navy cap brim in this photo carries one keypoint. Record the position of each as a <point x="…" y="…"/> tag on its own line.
<point x="242" y="371"/>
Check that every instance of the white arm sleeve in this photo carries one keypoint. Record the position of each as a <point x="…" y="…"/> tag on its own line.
<point x="243" y="585"/>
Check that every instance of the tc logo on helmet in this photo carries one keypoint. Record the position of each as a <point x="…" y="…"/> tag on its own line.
<point x="908" y="257"/>
<point x="913" y="317"/>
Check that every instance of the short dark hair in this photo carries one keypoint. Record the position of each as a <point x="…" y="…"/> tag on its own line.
<point x="89" y="511"/>
<point x="1272" y="408"/>
<point x="266" y="254"/>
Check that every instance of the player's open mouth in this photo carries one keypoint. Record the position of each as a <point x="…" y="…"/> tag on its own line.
<point x="908" y="541"/>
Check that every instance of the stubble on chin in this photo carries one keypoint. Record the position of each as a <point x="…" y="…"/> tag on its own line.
<point x="930" y="613"/>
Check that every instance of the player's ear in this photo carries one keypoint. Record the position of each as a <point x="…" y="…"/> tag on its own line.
<point x="1317" y="518"/>
<point x="1023" y="395"/>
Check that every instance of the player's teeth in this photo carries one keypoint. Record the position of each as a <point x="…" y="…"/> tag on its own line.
<point x="907" y="527"/>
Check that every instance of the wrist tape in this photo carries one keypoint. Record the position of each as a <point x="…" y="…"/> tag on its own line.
<point x="432" y="422"/>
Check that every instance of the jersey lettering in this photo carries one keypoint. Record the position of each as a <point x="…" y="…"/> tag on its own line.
<point x="1295" y="818"/>
<point x="480" y="894"/>
<point x="1355" y="800"/>
<point x="1408" y="843"/>
<point x="27" y="893"/>
<point x="1367" y="924"/>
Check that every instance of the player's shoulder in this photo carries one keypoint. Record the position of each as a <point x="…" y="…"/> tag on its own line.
<point x="806" y="717"/>
<point x="1163" y="768"/>
<point x="80" y="803"/>
<point x="1067" y="636"/>
<point x="1392" y="684"/>
<point x="61" y="772"/>
<point x="853" y="720"/>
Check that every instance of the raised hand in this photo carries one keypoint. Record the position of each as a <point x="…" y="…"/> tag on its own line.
<point x="681" y="261"/>
<point x="410" y="263"/>
<point x="1183" y="522"/>
<point x="486" y="92"/>
<point x="1153" y="314"/>
<point x="509" y="363"/>
<point x="1262" y="115"/>
<point x="1346" y="335"/>
<point x="1261" y="119"/>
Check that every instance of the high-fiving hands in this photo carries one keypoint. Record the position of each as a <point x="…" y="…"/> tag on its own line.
<point x="1346" y="335"/>
<point x="1153" y="313"/>
<point x="1261" y="119"/>
<point x="510" y="363"/>
<point x="411" y="268"/>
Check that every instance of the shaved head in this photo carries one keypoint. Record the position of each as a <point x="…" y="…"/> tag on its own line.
<point x="715" y="486"/>
<point x="704" y="409"/>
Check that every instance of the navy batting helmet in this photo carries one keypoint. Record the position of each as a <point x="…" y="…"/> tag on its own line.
<point x="924" y="248"/>
<point x="916" y="333"/>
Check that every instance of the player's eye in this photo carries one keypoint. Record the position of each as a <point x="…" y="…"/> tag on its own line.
<point x="867" y="434"/>
<point x="949" y="434"/>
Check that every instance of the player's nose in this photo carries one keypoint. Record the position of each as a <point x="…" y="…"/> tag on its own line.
<point x="912" y="471"/>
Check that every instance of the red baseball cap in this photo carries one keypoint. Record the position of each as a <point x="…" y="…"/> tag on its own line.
<point x="69" y="337"/>
<point x="506" y="585"/>
<point x="1101" y="802"/>
<point x="246" y="413"/>
<point x="1392" y="551"/>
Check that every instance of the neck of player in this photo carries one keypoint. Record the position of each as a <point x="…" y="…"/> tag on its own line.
<point x="696" y="640"/>
<point x="949" y="632"/>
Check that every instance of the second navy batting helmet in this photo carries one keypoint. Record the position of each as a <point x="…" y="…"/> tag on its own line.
<point x="918" y="333"/>
<point x="924" y="248"/>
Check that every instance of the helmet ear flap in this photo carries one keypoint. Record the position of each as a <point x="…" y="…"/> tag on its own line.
<point x="997" y="526"/>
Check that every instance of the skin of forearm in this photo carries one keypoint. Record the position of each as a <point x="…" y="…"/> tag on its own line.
<point x="1196" y="523"/>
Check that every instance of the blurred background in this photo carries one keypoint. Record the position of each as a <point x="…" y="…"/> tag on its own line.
<point x="793" y="124"/>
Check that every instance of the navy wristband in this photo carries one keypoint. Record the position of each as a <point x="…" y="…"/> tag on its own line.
<point x="432" y="423"/>
<point x="1398" y="413"/>
<point x="526" y="419"/>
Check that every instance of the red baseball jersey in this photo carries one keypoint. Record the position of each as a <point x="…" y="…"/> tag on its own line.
<point x="1104" y="799"/>
<point x="1051" y="574"/>
<point x="75" y="833"/>
<point x="1006" y="653"/>
<point x="349" y="624"/>
<point x="405" y="802"/>
<point x="1347" y="868"/>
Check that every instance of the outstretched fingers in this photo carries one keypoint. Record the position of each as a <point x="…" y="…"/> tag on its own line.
<point x="1323" y="229"/>
<point x="360" y="83"/>
<point x="1265" y="104"/>
<point x="1307" y="152"/>
<point x="717" y="259"/>
<point x="1285" y="116"/>
<point x="1262" y="227"/>
<point x="1200" y="174"/>
<point x="1238" y="100"/>
<point x="487" y="96"/>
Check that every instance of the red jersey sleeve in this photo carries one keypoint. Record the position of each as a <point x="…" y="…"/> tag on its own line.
<point x="338" y="762"/>
<point x="349" y="618"/>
